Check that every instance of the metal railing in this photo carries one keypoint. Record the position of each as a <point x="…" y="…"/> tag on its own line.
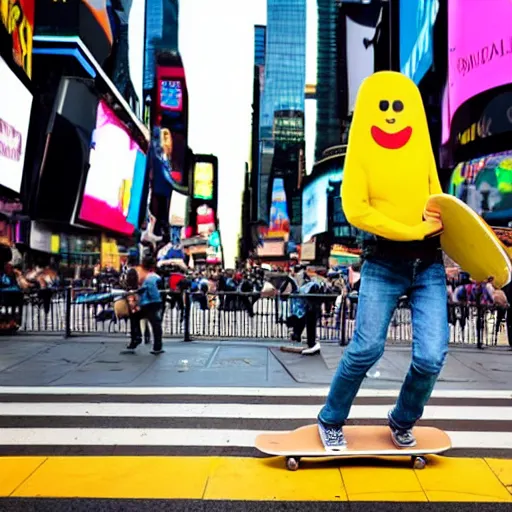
<point x="479" y="325"/>
<point x="77" y="311"/>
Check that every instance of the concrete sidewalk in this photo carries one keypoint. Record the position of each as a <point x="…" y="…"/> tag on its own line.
<point x="38" y="360"/>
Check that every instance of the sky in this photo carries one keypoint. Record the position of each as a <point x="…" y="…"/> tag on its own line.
<point x="216" y="42"/>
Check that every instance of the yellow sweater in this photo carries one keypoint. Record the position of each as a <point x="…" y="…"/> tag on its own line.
<point x="389" y="170"/>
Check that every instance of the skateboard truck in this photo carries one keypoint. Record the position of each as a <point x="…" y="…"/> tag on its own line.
<point x="417" y="461"/>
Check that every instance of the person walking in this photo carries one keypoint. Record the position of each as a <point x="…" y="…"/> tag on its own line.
<point x="150" y="303"/>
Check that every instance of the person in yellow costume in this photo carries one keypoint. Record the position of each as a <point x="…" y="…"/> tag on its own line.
<point x="389" y="174"/>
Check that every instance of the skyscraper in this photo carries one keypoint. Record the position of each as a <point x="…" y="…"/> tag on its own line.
<point x="282" y="106"/>
<point x="161" y="34"/>
<point x="328" y="130"/>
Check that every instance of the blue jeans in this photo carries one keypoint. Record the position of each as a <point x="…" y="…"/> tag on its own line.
<point x="382" y="283"/>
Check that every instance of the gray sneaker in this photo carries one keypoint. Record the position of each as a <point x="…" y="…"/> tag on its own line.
<point x="332" y="437"/>
<point x="402" y="437"/>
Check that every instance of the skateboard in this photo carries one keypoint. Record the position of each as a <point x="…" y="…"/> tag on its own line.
<point x="362" y="441"/>
<point x="470" y="242"/>
<point x="293" y="350"/>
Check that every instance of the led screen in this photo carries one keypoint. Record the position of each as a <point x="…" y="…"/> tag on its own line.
<point x="205" y="220"/>
<point x="203" y="181"/>
<point x="417" y="18"/>
<point x="480" y="48"/>
<point x="18" y="18"/>
<point x="485" y="184"/>
<point x="171" y="95"/>
<point x="115" y="180"/>
<point x="15" y="108"/>
<point x="279" y="226"/>
<point x="315" y="203"/>
<point x="360" y="57"/>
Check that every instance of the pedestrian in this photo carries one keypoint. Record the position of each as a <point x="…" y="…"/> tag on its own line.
<point x="150" y="302"/>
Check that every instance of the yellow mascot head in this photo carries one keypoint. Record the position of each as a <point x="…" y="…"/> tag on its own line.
<point x="390" y="169"/>
<point x="389" y="118"/>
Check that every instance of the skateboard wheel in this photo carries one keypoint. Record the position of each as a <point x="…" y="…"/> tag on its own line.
<point x="292" y="464"/>
<point x="419" y="462"/>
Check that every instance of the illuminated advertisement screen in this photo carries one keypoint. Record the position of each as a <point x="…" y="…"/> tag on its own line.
<point x="203" y="181"/>
<point x="115" y="180"/>
<point x="18" y="18"/>
<point x="279" y="222"/>
<point x="480" y="48"/>
<point x="171" y="95"/>
<point x="15" y="108"/>
<point x="315" y="203"/>
<point x="205" y="220"/>
<point x="417" y="18"/>
<point x="485" y="185"/>
<point x="169" y="148"/>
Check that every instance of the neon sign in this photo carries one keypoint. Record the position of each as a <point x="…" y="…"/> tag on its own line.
<point x="18" y="18"/>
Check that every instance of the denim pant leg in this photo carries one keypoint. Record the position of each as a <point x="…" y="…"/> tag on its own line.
<point x="382" y="283"/>
<point x="430" y="344"/>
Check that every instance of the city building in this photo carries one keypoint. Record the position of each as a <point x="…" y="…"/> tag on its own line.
<point x="328" y="125"/>
<point x="161" y="34"/>
<point x="281" y="132"/>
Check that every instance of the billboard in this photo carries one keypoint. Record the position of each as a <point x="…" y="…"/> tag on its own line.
<point x="203" y="181"/>
<point x="417" y="18"/>
<point x="360" y="56"/>
<point x="170" y="114"/>
<point x="480" y="48"/>
<point x="485" y="185"/>
<point x="18" y="18"/>
<point x="315" y="202"/>
<point x="115" y="181"/>
<point x="15" y="109"/>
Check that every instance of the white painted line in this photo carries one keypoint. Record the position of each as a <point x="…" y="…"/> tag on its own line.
<point x="237" y="411"/>
<point x="193" y="437"/>
<point x="237" y="391"/>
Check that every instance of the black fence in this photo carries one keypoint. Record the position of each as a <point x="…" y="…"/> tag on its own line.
<point x="73" y="311"/>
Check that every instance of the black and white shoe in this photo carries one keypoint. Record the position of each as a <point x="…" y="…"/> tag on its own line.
<point x="401" y="437"/>
<point x="157" y="352"/>
<point x="332" y="437"/>
<point x="311" y="350"/>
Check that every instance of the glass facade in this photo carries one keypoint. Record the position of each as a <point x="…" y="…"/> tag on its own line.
<point x="282" y="107"/>
<point x="328" y="131"/>
<point x="285" y="66"/>
<point x="259" y="45"/>
<point x="161" y="33"/>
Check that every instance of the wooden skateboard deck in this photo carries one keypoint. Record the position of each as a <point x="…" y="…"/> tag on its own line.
<point x="293" y="350"/>
<point x="469" y="241"/>
<point x="362" y="441"/>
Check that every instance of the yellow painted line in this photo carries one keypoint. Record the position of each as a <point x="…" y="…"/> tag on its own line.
<point x="384" y="479"/>
<point x="15" y="470"/>
<point x="251" y="479"/>
<point x="502" y="468"/>
<point x="456" y="479"/>
<point x="118" y="477"/>
<point x="267" y="479"/>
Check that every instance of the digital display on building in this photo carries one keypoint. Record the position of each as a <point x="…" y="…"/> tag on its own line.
<point x="480" y="48"/>
<point x="18" y="18"/>
<point x="203" y="181"/>
<point x="417" y="19"/>
<point x="171" y="95"/>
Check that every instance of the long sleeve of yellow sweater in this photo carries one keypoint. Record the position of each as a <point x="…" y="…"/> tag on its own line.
<point x="360" y="213"/>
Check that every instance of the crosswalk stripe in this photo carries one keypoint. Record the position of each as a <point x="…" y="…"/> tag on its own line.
<point x="197" y="437"/>
<point x="241" y="391"/>
<point x="247" y="411"/>
<point x="206" y="421"/>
